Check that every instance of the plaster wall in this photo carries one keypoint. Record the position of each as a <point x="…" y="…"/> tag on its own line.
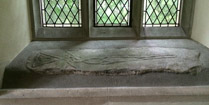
<point x="15" y="31"/>
<point x="200" y="31"/>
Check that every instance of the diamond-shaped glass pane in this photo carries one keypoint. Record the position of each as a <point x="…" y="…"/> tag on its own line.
<point x="161" y="13"/>
<point x="112" y="12"/>
<point x="61" y="13"/>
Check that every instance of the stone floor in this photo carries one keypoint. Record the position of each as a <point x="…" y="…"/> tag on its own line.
<point x="88" y="101"/>
<point x="17" y="74"/>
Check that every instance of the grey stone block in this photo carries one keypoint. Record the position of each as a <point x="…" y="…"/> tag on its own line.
<point x="123" y="61"/>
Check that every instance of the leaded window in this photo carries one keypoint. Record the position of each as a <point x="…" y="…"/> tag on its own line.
<point x="161" y="13"/>
<point x="61" y="13"/>
<point x="112" y="12"/>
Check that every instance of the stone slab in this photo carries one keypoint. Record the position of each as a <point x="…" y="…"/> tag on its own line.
<point x="124" y="61"/>
<point x="17" y="75"/>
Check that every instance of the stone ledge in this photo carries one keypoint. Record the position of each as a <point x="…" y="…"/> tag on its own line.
<point x="104" y="92"/>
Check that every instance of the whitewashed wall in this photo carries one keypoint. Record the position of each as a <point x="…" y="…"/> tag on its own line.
<point x="15" y="31"/>
<point x="200" y="31"/>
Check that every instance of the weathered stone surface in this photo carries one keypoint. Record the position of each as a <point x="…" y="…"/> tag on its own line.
<point x="122" y="61"/>
<point x="17" y="76"/>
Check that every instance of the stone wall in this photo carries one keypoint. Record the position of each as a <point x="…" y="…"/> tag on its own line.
<point x="15" y="31"/>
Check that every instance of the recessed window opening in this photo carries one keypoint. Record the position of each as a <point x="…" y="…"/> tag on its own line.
<point x="161" y="13"/>
<point x="61" y="13"/>
<point x="112" y="12"/>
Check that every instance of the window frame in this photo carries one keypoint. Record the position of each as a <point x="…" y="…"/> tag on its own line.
<point x="45" y="13"/>
<point x="106" y="32"/>
<point x="89" y="32"/>
<point x="41" y="32"/>
<point x="183" y="31"/>
<point x="147" y="16"/>
<point x="108" y="25"/>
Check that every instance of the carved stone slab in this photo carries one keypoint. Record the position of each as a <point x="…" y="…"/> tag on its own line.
<point x="123" y="61"/>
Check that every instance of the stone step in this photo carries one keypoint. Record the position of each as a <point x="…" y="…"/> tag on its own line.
<point x="198" y="95"/>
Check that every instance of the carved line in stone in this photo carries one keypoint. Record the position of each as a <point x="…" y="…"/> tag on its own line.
<point x="39" y="63"/>
<point x="99" y="60"/>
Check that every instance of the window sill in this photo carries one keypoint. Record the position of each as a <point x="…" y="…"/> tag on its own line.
<point x="163" y="32"/>
<point x="112" y="32"/>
